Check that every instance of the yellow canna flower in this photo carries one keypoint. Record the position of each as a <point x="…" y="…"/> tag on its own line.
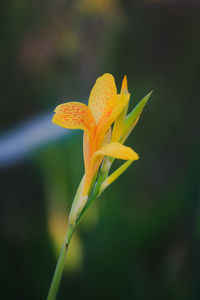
<point x="105" y="106"/>
<point x="101" y="145"/>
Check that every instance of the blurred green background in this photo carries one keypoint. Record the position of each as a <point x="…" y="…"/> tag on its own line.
<point x="141" y="239"/>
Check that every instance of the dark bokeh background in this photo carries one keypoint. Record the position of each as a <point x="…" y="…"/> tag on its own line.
<point x="141" y="239"/>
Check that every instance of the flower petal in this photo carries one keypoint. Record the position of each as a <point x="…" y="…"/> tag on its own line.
<point x="103" y="90"/>
<point x="112" y="110"/>
<point x="107" y="138"/>
<point x="116" y="150"/>
<point x="124" y="87"/>
<point x="119" y="122"/>
<point x="74" y="115"/>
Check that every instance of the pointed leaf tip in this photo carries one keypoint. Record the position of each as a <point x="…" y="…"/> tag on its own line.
<point x="133" y="117"/>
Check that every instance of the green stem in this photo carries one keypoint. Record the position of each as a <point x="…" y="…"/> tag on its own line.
<point x="60" y="266"/>
<point x="101" y="177"/>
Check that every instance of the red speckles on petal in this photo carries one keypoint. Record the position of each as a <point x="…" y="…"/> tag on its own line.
<point x="103" y="90"/>
<point x="74" y="115"/>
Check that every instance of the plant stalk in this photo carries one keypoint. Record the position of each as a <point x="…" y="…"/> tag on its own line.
<point x="60" y="265"/>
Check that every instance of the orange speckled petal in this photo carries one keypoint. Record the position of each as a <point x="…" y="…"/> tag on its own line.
<point x="112" y="110"/>
<point x="103" y="90"/>
<point x="74" y="115"/>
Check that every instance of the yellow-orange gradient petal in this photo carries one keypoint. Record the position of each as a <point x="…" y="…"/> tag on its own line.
<point x="74" y="115"/>
<point x="86" y="150"/>
<point x="116" y="150"/>
<point x="103" y="90"/>
<point x="119" y="122"/>
<point x="112" y="110"/>
<point x="124" y="87"/>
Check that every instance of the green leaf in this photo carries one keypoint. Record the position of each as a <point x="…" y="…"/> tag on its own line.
<point x="133" y="117"/>
<point x="114" y="176"/>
